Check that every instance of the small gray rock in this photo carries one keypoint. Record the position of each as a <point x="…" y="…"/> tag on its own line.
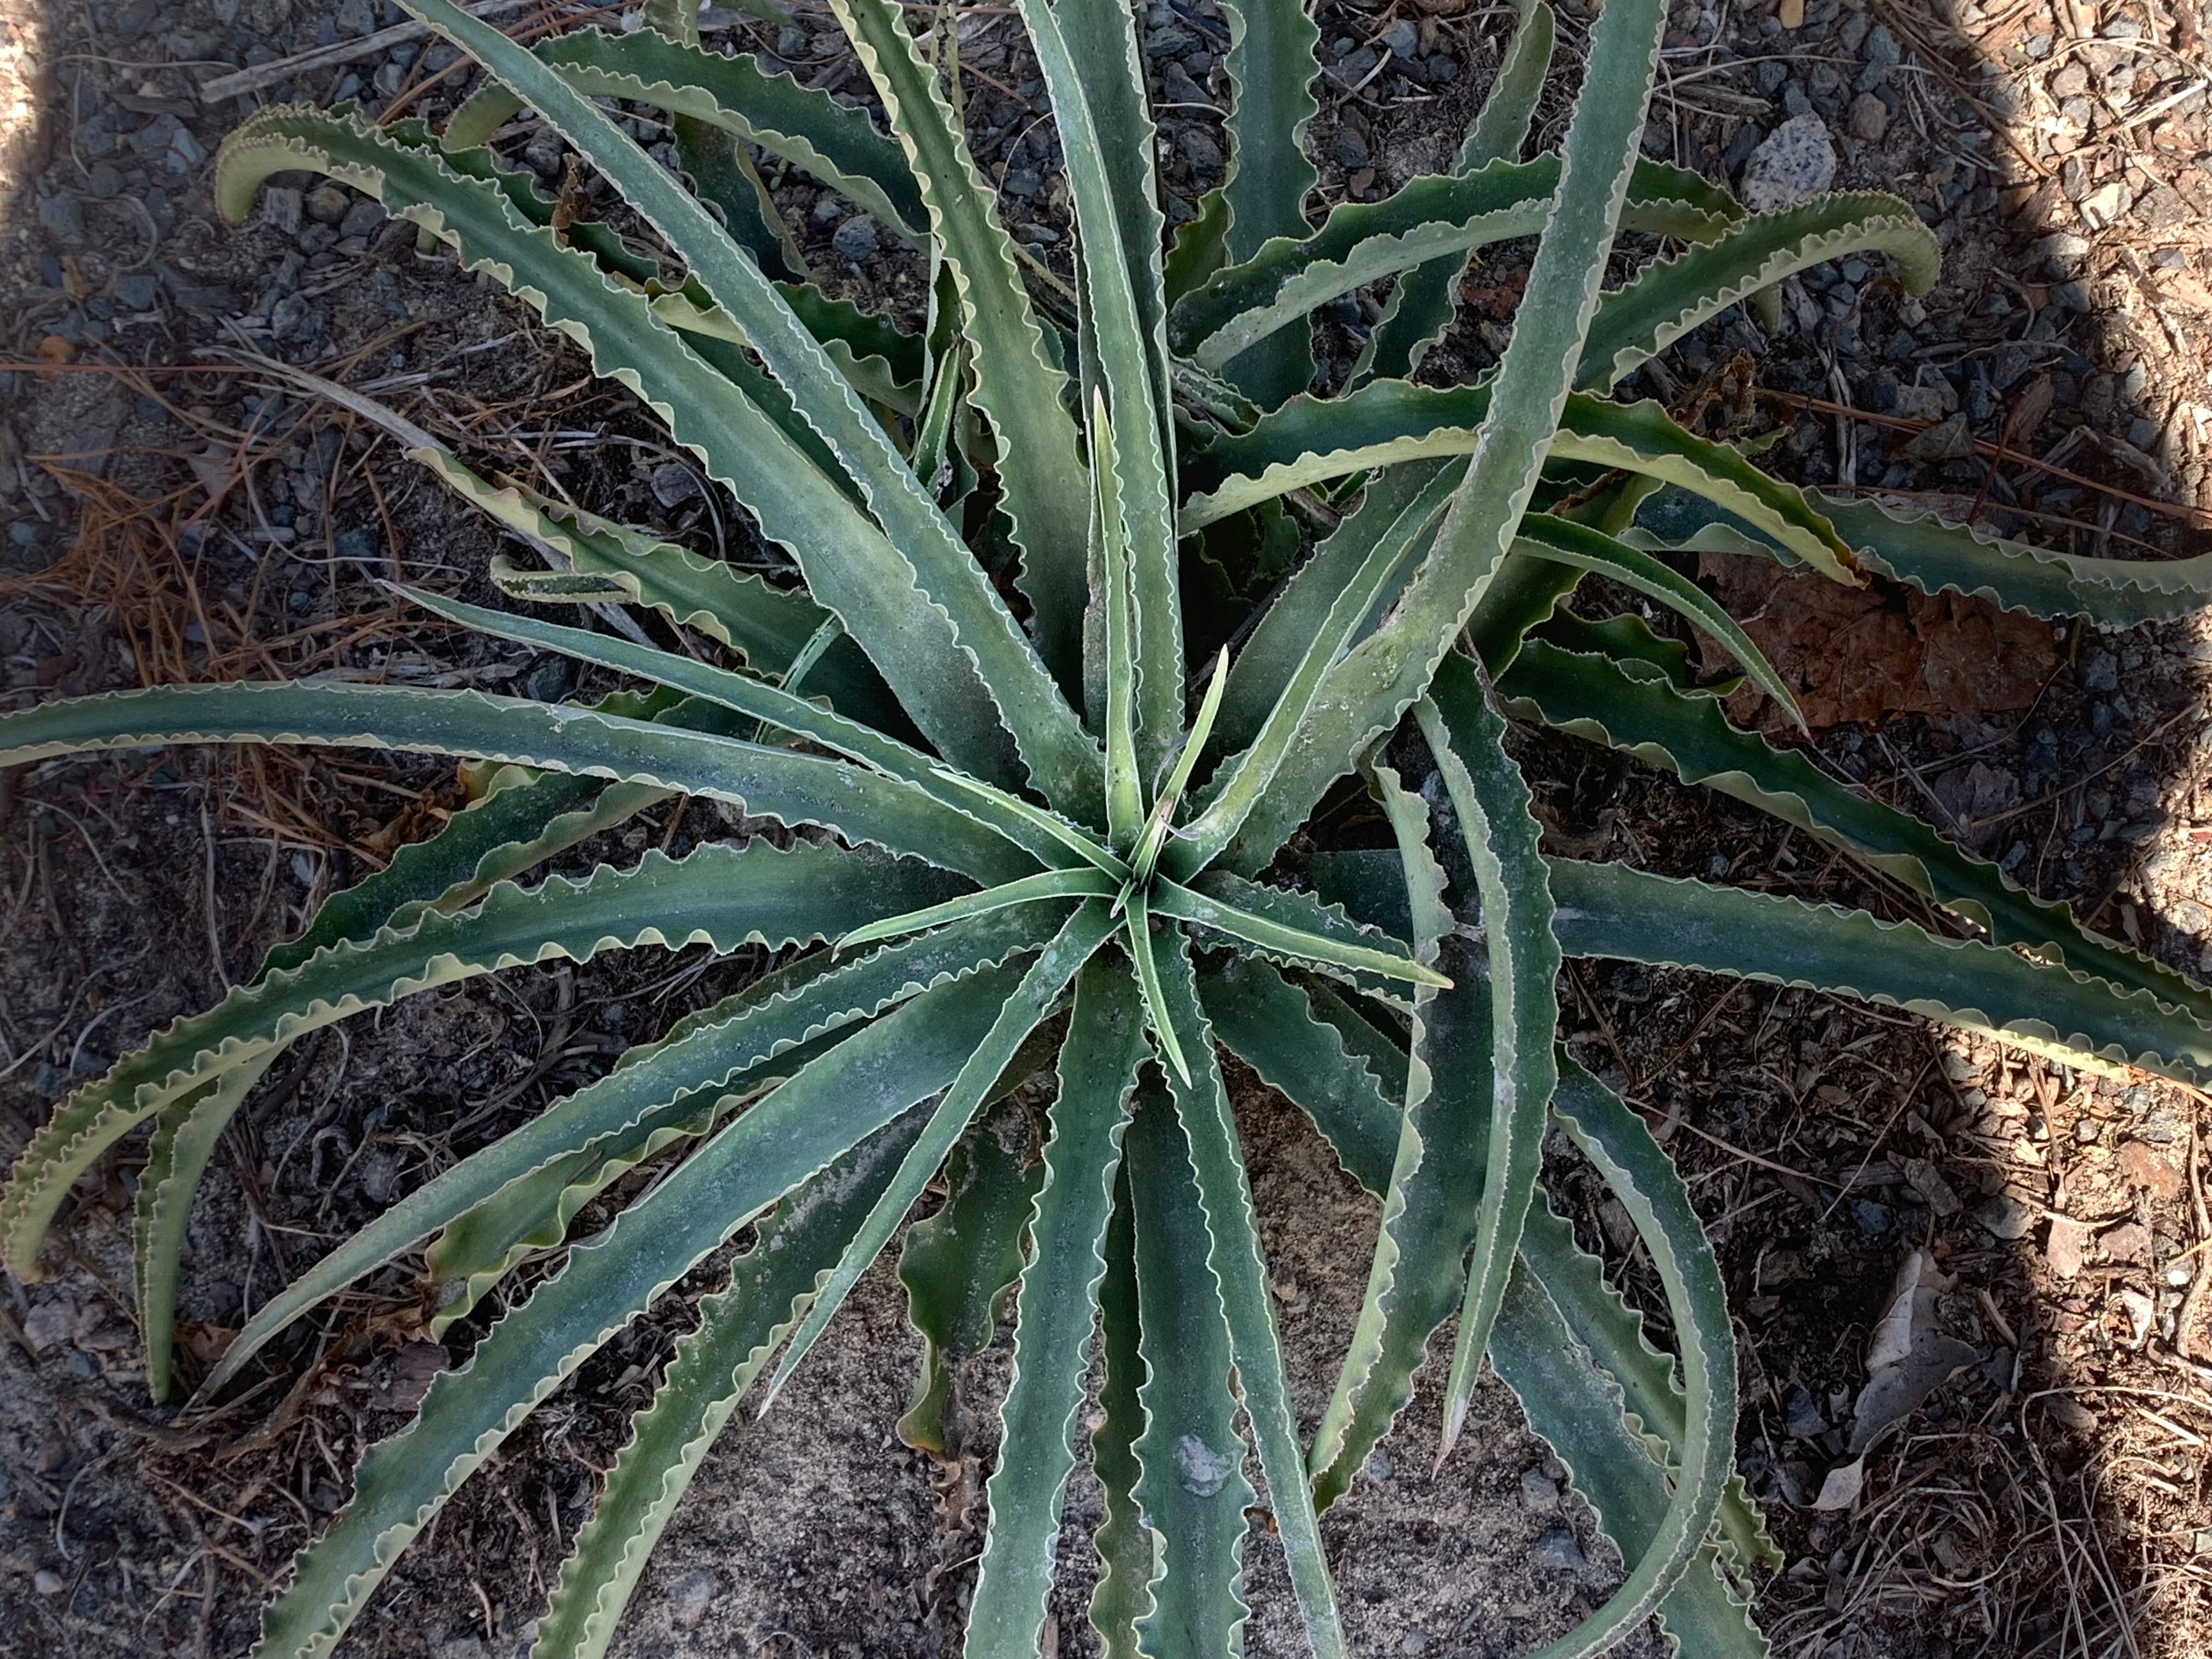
<point x="1558" y="1549"/>
<point x="326" y="205"/>
<point x="856" y="238"/>
<point x="672" y="484"/>
<point x="281" y="208"/>
<point x="690" y="1597"/>
<point x="136" y="291"/>
<point x="361" y="218"/>
<point x="1177" y="88"/>
<point x="1539" y="1495"/>
<point x="62" y="217"/>
<point x="2006" y="1217"/>
<point x="1870" y="118"/>
<point x="1347" y="148"/>
<point x="1803" y="1419"/>
<point x="1200" y="149"/>
<point x="1402" y="38"/>
<point x="1798" y="159"/>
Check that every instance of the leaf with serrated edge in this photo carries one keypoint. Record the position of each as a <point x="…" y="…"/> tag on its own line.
<point x="1016" y="388"/>
<point x="1623" y="703"/>
<point x="1468" y="737"/>
<point x="1611" y="910"/>
<point x="1129" y="1554"/>
<point x="1233" y="1252"/>
<point x="856" y="1089"/>
<point x="1123" y="362"/>
<point x="958" y="1265"/>
<point x="838" y="145"/>
<point x="725" y="1046"/>
<point x="1662" y="1536"/>
<point x="1054" y="1312"/>
<point x="784" y="898"/>
<point x="713" y="1365"/>
<point x="1023" y="1010"/>
<point x="1666" y="301"/>
<point x="1433" y="1194"/>
<point x="851" y="566"/>
<point x="1271" y="66"/>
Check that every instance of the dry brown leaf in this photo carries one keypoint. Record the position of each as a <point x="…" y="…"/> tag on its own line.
<point x="1854" y="654"/>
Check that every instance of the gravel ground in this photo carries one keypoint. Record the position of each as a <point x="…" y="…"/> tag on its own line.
<point x="166" y="512"/>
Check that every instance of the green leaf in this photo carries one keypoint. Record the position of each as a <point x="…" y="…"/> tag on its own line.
<point x="768" y="703"/>
<point x="1468" y="737"/>
<point x="1360" y="242"/>
<point x="1265" y="929"/>
<point x="1666" y="301"/>
<point x="1233" y="1253"/>
<point x="1058" y="1301"/>
<point x="177" y="1153"/>
<point x="714" y="159"/>
<point x="1271" y="66"/>
<point x="1129" y="370"/>
<point x="1627" y="703"/>
<point x="1395" y="510"/>
<point x="1124" y="788"/>
<point x="1045" y="729"/>
<point x="783" y="898"/>
<point x="1420" y="306"/>
<point x="727" y="1047"/>
<point x="715" y="1363"/>
<point x="958" y="1265"/>
<point x="1046" y="885"/>
<point x="1611" y="910"/>
<point x="1023" y="1010"/>
<point x="1660" y="1531"/>
<point x="1019" y="391"/>
<point x="837" y="144"/>
<point x="830" y="1106"/>
<point x="766" y="781"/>
<point x="1144" y="956"/>
<point x="1129" y="1557"/>
<point x="1268" y="1022"/>
<point x="1433" y="1190"/>
<point x="1301" y="922"/>
<point x="851" y="566"/>
<point x="1564" y="542"/>
<point x="1192" y="1495"/>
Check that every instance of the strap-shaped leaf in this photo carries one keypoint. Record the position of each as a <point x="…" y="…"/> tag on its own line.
<point x="1058" y="1303"/>
<point x="1386" y="673"/>
<point x="715" y="1363"/>
<point x="1652" y="1399"/>
<point x="1124" y="362"/>
<point x="1022" y="1012"/>
<point x="1045" y="729"/>
<point x="1432" y="1196"/>
<point x="1564" y="542"/>
<point x="726" y="1047"/>
<point x="1193" y="1494"/>
<point x="838" y="145"/>
<point x="958" y="1265"/>
<point x="1270" y="65"/>
<point x="177" y="1154"/>
<point x="1661" y="1538"/>
<point x="1233" y="1253"/>
<point x="1117" y="599"/>
<point x="851" y="567"/>
<point x="771" y="782"/>
<point x="757" y="699"/>
<point x="830" y="1106"/>
<point x="1243" y="779"/>
<point x="1268" y="1022"/>
<point x="1420" y="306"/>
<point x="1044" y="491"/>
<point x="1045" y="886"/>
<point x="1129" y="1556"/>
<point x="1630" y="705"/>
<point x="1468" y="737"/>
<point x="1263" y="924"/>
<point x="1667" y="300"/>
<point x="782" y="898"/>
<point x="1432" y="216"/>
<point x="1642" y="437"/>
<point x="1936" y="558"/>
<point x="714" y="159"/>
<point x="1396" y="507"/>
<point x="1611" y="910"/>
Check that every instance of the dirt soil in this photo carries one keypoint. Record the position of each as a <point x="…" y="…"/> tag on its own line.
<point x="169" y="508"/>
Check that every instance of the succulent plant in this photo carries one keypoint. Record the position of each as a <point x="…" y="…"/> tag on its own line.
<point x="1022" y="837"/>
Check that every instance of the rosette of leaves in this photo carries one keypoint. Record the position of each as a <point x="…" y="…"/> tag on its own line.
<point x="1036" y="841"/>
